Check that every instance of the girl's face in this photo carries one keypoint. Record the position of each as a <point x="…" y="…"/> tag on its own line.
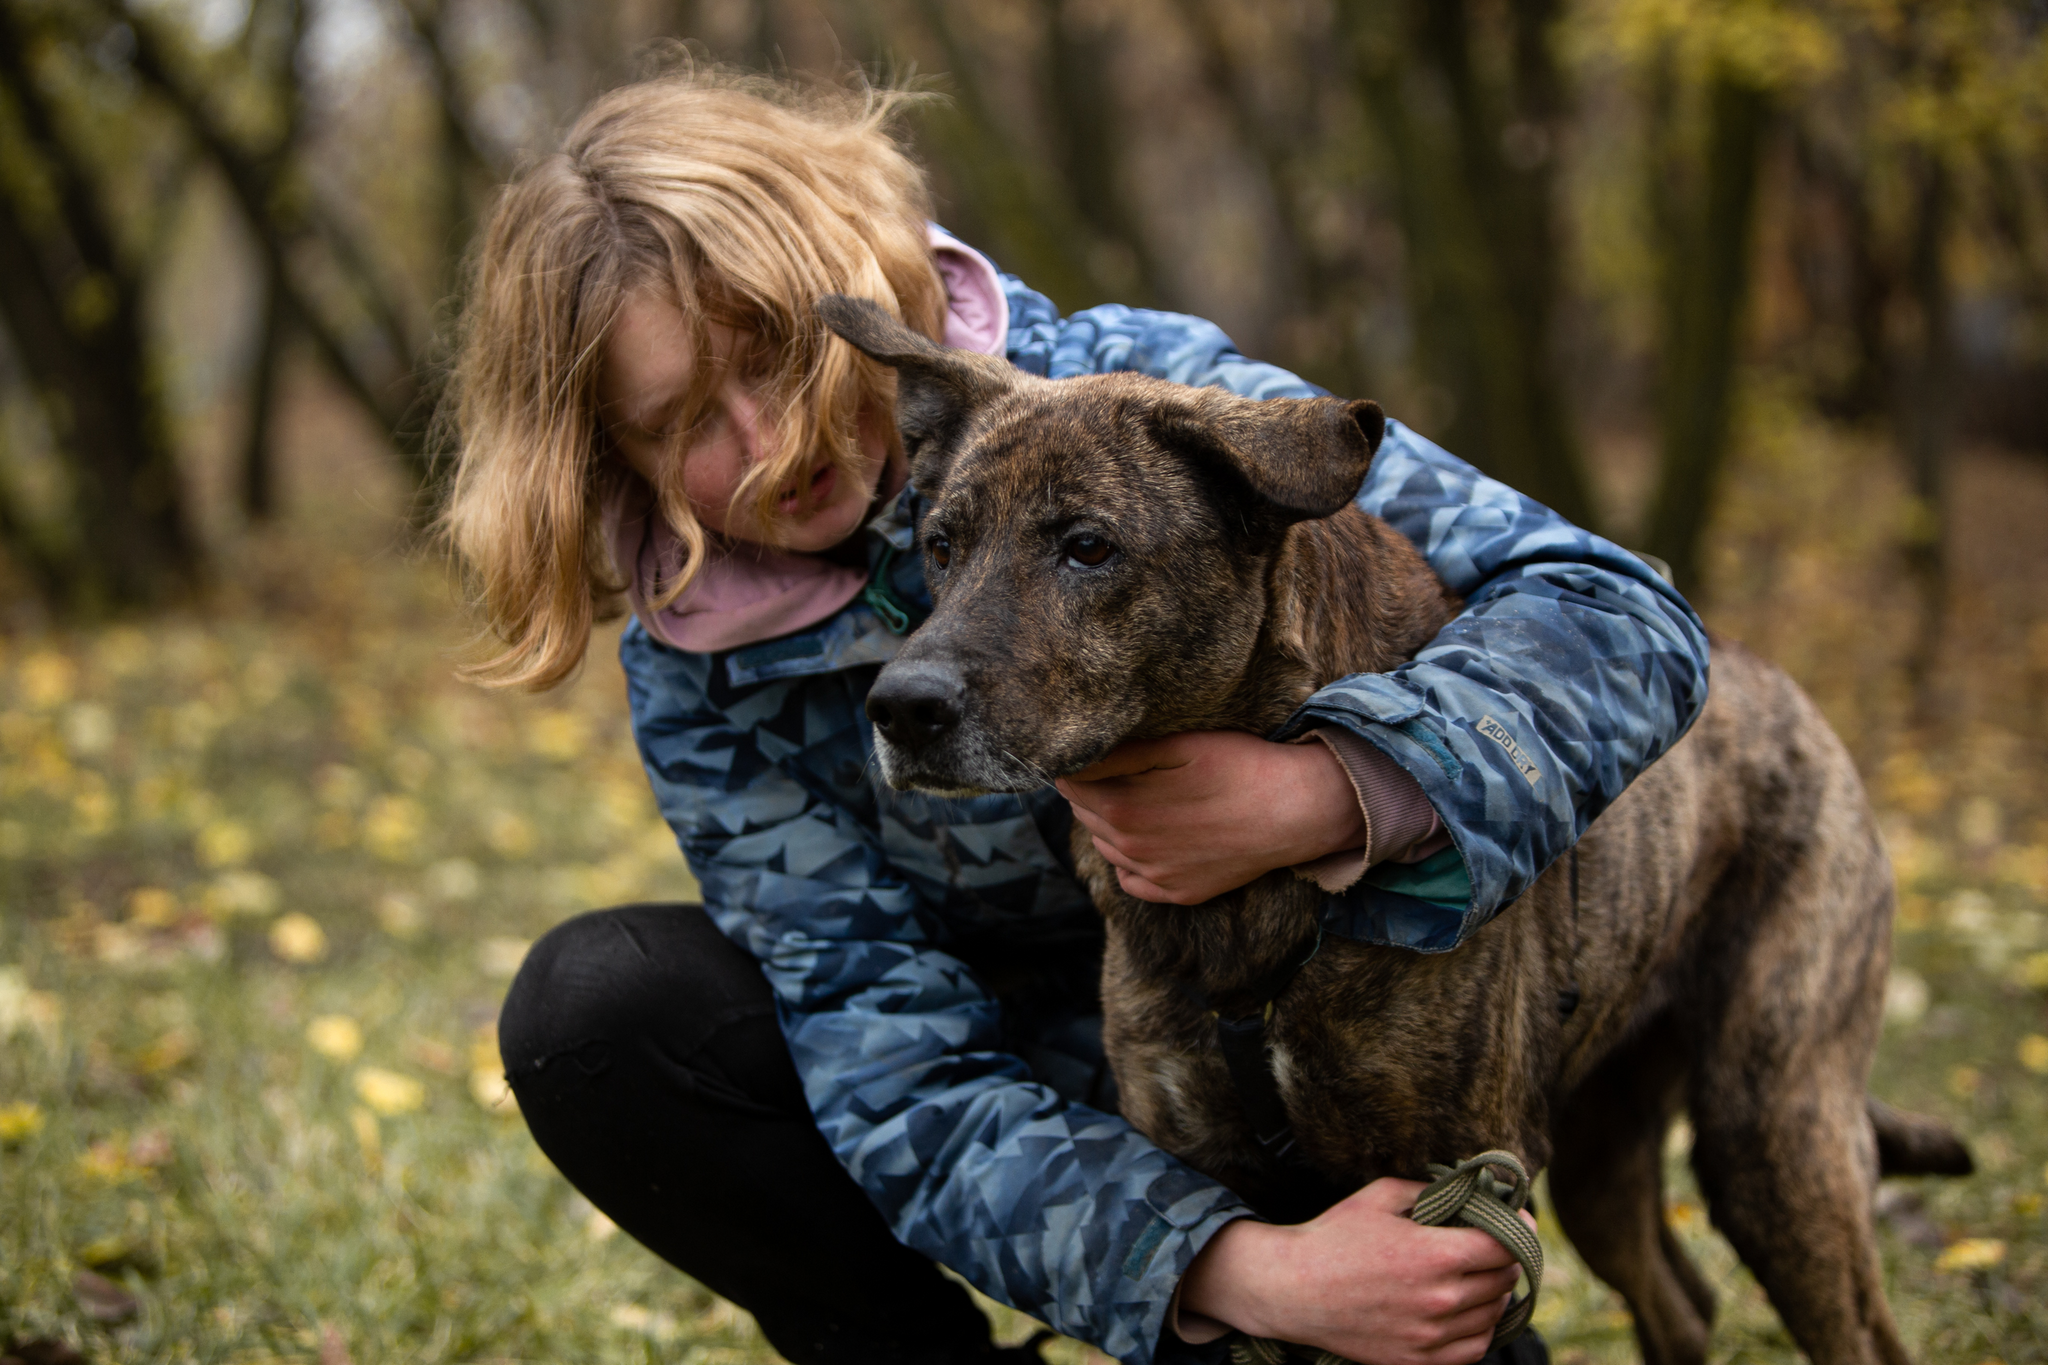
<point x="641" y="388"/>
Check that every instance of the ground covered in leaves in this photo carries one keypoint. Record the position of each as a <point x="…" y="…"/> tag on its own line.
<point x="267" y="867"/>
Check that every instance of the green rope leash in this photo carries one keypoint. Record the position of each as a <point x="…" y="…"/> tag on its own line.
<point x="1468" y="1193"/>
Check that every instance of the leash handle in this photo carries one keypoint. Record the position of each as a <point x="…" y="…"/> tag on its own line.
<point x="1471" y="1194"/>
<point x="1468" y="1193"/>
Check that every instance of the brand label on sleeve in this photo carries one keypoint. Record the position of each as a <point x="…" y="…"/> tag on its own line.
<point x="1498" y="733"/>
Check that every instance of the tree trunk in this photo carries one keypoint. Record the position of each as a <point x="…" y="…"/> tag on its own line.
<point x="259" y="467"/>
<point x="1924" y="422"/>
<point x="1476" y="191"/>
<point x="74" y="309"/>
<point x="1706" y="250"/>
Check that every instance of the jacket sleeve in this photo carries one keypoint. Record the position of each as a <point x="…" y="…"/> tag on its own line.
<point x="1571" y="669"/>
<point x="1055" y="1208"/>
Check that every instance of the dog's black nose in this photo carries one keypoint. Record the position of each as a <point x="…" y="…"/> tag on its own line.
<point x="914" y="704"/>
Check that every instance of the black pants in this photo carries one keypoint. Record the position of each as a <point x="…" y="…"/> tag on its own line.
<point x="644" y="1051"/>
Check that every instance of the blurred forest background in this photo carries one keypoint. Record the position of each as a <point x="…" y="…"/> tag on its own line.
<point x="1756" y="286"/>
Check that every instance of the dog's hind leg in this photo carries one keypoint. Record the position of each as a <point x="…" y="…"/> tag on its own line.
<point x="1791" y="1190"/>
<point x="1784" y="1145"/>
<point x="1607" y="1182"/>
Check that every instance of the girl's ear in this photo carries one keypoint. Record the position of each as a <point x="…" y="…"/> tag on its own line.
<point x="937" y="387"/>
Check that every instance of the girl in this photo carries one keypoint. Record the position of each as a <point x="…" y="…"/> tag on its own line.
<point x="876" y="1044"/>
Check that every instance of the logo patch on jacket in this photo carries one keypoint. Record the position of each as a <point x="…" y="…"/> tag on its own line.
<point x="1498" y="733"/>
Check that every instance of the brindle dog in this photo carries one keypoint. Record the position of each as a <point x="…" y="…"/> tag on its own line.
<point x="1114" y="558"/>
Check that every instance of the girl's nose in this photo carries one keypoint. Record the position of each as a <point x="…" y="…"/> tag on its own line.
<point x="751" y="424"/>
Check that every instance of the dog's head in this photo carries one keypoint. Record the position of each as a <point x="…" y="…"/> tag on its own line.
<point x="1097" y="550"/>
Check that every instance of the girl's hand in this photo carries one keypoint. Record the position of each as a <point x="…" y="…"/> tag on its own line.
<point x="1188" y="817"/>
<point x="1362" y="1281"/>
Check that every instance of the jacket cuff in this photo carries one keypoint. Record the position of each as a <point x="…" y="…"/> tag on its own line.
<point x="1400" y="824"/>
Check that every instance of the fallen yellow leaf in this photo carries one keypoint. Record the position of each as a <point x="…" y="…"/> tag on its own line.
<point x="224" y="843"/>
<point x="392" y="827"/>
<point x="152" y="907"/>
<point x="298" y="938"/>
<point x="2033" y="971"/>
<point x="2034" y="1054"/>
<point x="389" y="1093"/>
<point x="1971" y="1253"/>
<point x="487" y="1086"/>
<point x="508" y="834"/>
<point x="20" y="1121"/>
<point x="499" y="956"/>
<point x="167" y="1052"/>
<point x="108" y="1160"/>
<point x="399" y="916"/>
<point x="240" y="892"/>
<point x="46" y="679"/>
<point x="559" y="735"/>
<point x="335" y="1037"/>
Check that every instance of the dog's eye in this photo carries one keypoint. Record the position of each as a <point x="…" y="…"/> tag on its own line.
<point x="940" y="549"/>
<point x="1087" y="551"/>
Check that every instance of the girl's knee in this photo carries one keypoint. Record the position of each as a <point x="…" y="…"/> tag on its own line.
<point x="613" y="976"/>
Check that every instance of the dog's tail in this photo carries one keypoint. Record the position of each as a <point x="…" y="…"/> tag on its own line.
<point x="1914" y="1144"/>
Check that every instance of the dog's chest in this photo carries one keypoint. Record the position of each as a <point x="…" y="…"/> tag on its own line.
<point x="1371" y="1051"/>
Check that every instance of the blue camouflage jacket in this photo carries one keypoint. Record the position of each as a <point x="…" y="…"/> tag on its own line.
<point x="933" y="959"/>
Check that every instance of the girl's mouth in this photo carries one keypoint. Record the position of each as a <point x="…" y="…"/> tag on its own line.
<point x="808" y="498"/>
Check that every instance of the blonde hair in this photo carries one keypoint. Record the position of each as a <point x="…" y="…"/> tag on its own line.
<point x="748" y="199"/>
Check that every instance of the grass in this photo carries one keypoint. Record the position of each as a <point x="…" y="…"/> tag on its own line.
<point x="267" y="867"/>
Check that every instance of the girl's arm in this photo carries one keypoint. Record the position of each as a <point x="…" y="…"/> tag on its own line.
<point x="1571" y="669"/>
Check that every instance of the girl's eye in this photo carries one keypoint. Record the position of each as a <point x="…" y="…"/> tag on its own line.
<point x="941" y="550"/>
<point x="1087" y="551"/>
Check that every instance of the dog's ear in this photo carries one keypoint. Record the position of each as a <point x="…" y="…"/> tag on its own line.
<point x="1300" y="458"/>
<point x="937" y="387"/>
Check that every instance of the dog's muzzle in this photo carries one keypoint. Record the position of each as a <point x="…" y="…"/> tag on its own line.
<point x="914" y="706"/>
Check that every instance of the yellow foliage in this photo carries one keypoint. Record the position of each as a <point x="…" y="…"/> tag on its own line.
<point x="392" y="827"/>
<point x="398" y="916"/>
<point x="20" y="1121"/>
<point x="2033" y="971"/>
<point x="171" y="1050"/>
<point x="2033" y="1054"/>
<point x="454" y="879"/>
<point x="298" y="938"/>
<point x="500" y="956"/>
<point x="241" y="892"/>
<point x="389" y="1093"/>
<point x="152" y="907"/>
<point x="509" y="835"/>
<point x="411" y="766"/>
<point x="335" y="1037"/>
<point x="1971" y="1253"/>
<point x="93" y="808"/>
<point x="559" y="735"/>
<point x="89" y="729"/>
<point x="488" y="1087"/>
<point x="46" y="679"/>
<point x="2025" y="866"/>
<point x="1760" y="42"/>
<point x="107" y="1160"/>
<point x="224" y="843"/>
